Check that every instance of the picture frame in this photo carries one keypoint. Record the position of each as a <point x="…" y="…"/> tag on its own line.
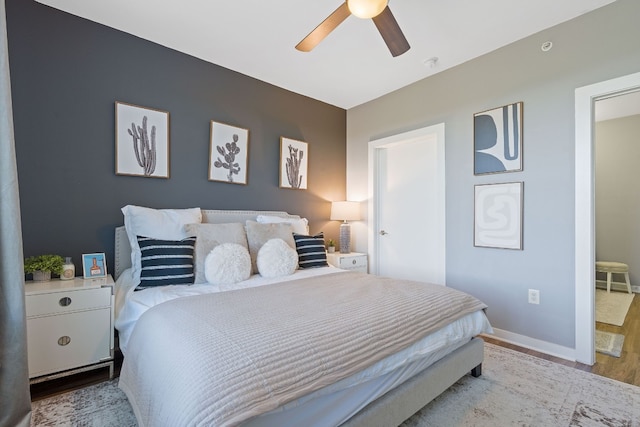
<point x="294" y="158"/>
<point x="497" y="140"/>
<point x="142" y="141"/>
<point x="94" y="265"/>
<point x="498" y="215"/>
<point x="228" y="153"/>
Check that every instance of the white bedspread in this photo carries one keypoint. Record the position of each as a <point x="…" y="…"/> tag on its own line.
<point x="130" y="305"/>
<point x="166" y="386"/>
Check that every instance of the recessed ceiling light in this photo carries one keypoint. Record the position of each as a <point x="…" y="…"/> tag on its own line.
<point x="546" y="46"/>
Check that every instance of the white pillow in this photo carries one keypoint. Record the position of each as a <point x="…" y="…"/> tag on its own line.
<point x="161" y="224"/>
<point x="227" y="263"/>
<point x="300" y="226"/>
<point x="276" y="258"/>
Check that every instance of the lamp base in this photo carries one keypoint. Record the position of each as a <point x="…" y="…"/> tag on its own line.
<point x="345" y="238"/>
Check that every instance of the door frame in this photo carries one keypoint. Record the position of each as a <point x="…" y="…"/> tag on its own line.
<point x="375" y="146"/>
<point x="585" y="98"/>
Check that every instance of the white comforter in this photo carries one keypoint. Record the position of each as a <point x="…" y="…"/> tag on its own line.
<point x="146" y="392"/>
<point x="130" y="305"/>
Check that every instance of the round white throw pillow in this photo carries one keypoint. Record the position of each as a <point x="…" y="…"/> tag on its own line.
<point x="227" y="263"/>
<point x="276" y="258"/>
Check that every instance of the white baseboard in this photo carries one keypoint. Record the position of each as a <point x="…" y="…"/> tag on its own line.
<point x="618" y="286"/>
<point x="534" y="344"/>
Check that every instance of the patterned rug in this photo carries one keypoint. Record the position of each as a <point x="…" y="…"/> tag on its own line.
<point x="515" y="389"/>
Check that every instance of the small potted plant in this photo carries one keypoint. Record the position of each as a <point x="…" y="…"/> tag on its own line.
<point x="331" y="246"/>
<point x="42" y="266"/>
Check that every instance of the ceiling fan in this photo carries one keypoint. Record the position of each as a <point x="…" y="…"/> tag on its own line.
<point x="365" y="9"/>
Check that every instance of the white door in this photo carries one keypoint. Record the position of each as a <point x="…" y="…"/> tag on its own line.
<point x="408" y="201"/>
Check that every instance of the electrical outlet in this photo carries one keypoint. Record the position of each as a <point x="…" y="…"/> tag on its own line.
<point x="534" y="296"/>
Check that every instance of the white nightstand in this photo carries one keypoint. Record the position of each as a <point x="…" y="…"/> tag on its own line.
<point x="69" y="326"/>
<point x="353" y="261"/>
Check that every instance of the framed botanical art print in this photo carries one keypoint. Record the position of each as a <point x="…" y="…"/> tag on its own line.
<point x="498" y="215"/>
<point x="228" y="153"/>
<point x="497" y="140"/>
<point x="294" y="156"/>
<point x="142" y="141"/>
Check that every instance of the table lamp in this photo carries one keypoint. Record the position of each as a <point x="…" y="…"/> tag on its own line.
<point x="345" y="211"/>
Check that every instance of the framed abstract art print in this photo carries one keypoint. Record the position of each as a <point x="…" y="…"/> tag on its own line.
<point x="497" y="140"/>
<point x="498" y="215"/>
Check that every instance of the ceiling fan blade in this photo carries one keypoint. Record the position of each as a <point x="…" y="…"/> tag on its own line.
<point x="391" y="32"/>
<point x="323" y="30"/>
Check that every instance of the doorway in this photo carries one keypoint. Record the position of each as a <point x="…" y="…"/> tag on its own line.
<point x="617" y="209"/>
<point x="407" y="189"/>
<point x="617" y="205"/>
<point x="585" y="98"/>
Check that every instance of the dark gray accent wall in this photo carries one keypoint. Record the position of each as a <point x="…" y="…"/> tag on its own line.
<point x="66" y="75"/>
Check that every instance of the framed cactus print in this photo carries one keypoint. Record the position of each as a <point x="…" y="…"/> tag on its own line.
<point x="142" y="141"/>
<point x="294" y="156"/>
<point x="228" y="153"/>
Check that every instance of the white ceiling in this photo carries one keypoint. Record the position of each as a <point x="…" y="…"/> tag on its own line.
<point x="352" y="65"/>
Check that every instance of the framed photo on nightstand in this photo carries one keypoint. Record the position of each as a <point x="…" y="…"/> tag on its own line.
<point x="94" y="265"/>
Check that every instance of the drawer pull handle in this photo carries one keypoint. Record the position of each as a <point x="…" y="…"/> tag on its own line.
<point x="353" y="262"/>
<point x="62" y="341"/>
<point x="66" y="301"/>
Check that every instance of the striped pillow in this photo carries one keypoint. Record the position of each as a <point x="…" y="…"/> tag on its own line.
<point x="166" y="262"/>
<point x="311" y="252"/>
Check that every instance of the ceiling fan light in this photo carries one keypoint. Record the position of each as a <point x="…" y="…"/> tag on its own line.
<point x="366" y="9"/>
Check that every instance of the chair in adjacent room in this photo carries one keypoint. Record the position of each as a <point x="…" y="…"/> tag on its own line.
<point x="611" y="268"/>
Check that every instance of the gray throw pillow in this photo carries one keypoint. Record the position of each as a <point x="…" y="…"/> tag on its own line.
<point x="259" y="234"/>
<point x="208" y="236"/>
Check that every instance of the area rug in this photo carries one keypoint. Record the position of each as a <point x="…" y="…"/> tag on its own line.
<point x="609" y="343"/>
<point x="612" y="307"/>
<point x="515" y="389"/>
<point x="100" y="405"/>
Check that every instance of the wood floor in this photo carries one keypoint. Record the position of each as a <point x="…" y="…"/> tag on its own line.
<point x="626" y="368"/>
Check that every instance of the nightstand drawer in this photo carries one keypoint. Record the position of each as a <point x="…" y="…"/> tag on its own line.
<point x="350" y="263"/>
<point x="67" y="301"/>
<point x="353" y="261"/>
<point x="62" y="342"/>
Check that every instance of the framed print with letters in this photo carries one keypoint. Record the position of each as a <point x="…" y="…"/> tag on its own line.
<point x="497" y="140"/>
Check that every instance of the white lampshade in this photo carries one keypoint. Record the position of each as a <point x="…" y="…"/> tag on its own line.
<point x="366" y="9"/>
<point x="345" y="211"/>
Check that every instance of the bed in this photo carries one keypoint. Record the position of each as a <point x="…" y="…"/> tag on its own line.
<point x="301" y="349"/>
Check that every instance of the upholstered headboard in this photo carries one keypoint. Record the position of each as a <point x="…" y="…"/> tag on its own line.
<point x="123" y="248"/>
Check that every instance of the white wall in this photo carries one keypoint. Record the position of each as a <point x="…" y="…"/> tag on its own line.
<point x="617" y="152"/>
<point x="598" y="46"/>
